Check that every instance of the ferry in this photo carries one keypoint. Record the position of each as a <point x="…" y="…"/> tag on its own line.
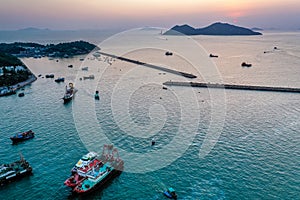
<point x="108" y="168"/>
<point x="15" y="170"/>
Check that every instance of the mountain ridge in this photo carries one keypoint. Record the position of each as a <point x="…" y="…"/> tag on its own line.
<point x="217" y="28"/>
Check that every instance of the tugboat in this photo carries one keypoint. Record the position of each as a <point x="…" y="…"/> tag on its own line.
<point x="97" y="97"/>
<point x="107" y="169"/>
<point x="15" y="170"/>
<point x="170" y="193"/>
<point x="19" y="137"/>
<point x="69" y="94"/>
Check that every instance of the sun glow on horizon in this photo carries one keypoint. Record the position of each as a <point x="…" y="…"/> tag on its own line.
<point x="81" y="13"/>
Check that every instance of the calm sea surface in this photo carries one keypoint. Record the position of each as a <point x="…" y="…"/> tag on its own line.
<point x="254" y="154"/>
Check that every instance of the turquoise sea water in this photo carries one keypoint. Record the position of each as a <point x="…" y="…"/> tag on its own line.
<point x="257" y="155"/>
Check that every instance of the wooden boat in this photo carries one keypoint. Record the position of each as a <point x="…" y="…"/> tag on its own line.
<point x="19" y="137"/>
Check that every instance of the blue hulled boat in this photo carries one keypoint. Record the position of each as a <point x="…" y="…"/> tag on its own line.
<point x="170" y="193"/>
<point x="19" y="137"/>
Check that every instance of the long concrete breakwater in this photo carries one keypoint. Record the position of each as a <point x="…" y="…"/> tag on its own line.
<point x="184" y="74"/>
<point x="233" y="86"/>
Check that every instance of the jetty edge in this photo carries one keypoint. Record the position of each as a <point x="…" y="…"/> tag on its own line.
<point x="172" y="71"/>
<point x="233" y="86"/>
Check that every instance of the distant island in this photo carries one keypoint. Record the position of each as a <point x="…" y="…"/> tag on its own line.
<point x="214" y="29"/>
<point x="36" y="50"/>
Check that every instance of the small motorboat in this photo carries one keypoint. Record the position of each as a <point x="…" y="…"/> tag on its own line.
<point x="60" y="79"/>
<point x="97" y="97"/>
<point x="19" y="137"/>
<point x="213" y="56"/>
<point x="21" y="94"/>
<point x="89" y="77"/>
<point x="170" y="193"/>
<point x="246" y="64"/>
<point x="50" y="76"/>
<point x="168" y="53"/>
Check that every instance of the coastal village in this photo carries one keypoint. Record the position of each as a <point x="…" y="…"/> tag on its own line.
<point x="13" y="72"/>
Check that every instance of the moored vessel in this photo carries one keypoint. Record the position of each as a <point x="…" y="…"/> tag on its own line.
<point x="97" y="97"/>
<point x="98" y="172"/>
<point x="85" y="160"/>
<point x="15" y="170"/>
<point x="19" y="137"/>
<point x="69" y="94"/>
<point x="60" y="79"/>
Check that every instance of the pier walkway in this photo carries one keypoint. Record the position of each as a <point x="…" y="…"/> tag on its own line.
<point x="233" y="86"/>
<point x="184" y="74"/>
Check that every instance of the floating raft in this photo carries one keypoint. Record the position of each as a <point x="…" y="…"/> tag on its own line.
<point x="184" y="74"/>
<point x="233" y="86"/>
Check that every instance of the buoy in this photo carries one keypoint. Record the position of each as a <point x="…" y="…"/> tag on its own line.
<point x="153" y="142"/>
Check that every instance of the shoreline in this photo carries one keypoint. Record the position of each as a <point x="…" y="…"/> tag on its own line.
<point x="12" y="89"/>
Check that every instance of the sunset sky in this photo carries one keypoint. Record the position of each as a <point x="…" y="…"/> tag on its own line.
<point x="101" y="14"/>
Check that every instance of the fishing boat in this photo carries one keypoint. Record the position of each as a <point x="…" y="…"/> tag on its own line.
<point x="15" y="170"/>
<point x="19" y="137"/>
<point x="69" y="94"/>
<point x="170" y="193"/>
<point x="85" y="160"/>
<point x="97" y="97"/>
<point x="109" y="167"/>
